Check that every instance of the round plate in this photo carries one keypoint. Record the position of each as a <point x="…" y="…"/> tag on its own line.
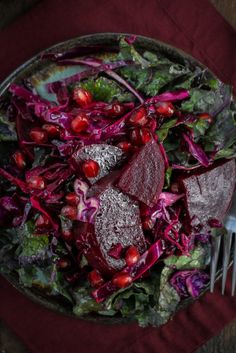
<point x="45" y="71"/>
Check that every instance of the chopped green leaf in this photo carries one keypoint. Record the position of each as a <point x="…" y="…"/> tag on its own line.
<point x="47" y="279"/>
<point x="85" y="304"/>
<point x="198" y="259"/>
<point x="106" y="90"/>
<point x="164" y="129"/>
<point x="33" y="249"/>
<point x="168" y="298"/>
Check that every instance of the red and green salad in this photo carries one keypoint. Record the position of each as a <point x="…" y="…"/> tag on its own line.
<point x="114" y="181"/>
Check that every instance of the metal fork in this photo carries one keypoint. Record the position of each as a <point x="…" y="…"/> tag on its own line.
<point x="229" y="244"/>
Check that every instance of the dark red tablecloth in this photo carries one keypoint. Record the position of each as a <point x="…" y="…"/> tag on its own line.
<point x="196" y="27"/>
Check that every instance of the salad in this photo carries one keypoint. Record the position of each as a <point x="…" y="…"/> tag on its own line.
<point x="113" y="184"/>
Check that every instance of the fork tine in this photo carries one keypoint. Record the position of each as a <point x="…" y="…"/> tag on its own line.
<point x="226" y="256"/>
<point x="214" y="260"/>
<point x="234" y="267"/>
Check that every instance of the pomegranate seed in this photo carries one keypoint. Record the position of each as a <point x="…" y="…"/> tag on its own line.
<point x="132" y="255"/>
<point x="72" y="199"/>
<point x="67" y="235"/>
<point x="42" y="221"/>
<point x="95" y="278"/>
<point x="90" y="168"/>
<point x="165" y="109"/>
<point x="72" y="277"/>
<point x="125" y="146"/>
<point x="145" y="135"/>
<point x="121" y="280"/>
<point x="205" y="116"/>
<point x="139" y="117"/>
<point x="80" y="123"/>
<point x="52" y="130"/>
<point x="147" y="223"/>
<point x="64" y="263"/>
<point x="114" y="109"/>
<point x="19" y="159"/>
<point x="36" y="182"/>
<point x="69" y="212"/>
<point x="38" y="135"/>
<point x="82" y="96"/>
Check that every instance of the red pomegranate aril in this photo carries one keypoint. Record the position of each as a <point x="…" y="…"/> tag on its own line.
<point x="147" y="223"/>
<point x="64" y="263"/>
<point x="38" y="135"/>
<point x="114" y="109"/>
<point x="67" y="235"/>
<point x="139" y="117"/>
<point x="122" y="280"/>
<point x="80" y="123"/>
<point x="90" y="168"/>
<point x="95" y="279"/>
<point x="125" y="146"/>
<point x="69" y="212"/>
<point x="19" y="159"/>
<point x="72" y="199"/>
<point x="165" y="109"/>
<point x="52" y="130"/>
<point x="131" y="256"/>
<point x="205" y="116"/>
<point x="145" y="135"/>
<point x="82" y="96"/>
<point x="42" y="221"/>
<point x="36" y="182"/>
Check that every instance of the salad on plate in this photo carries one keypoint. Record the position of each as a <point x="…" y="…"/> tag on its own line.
<point x="114" y="179"/>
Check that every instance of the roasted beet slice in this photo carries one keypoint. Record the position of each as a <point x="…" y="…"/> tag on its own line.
<point x="107" y="156"/>
<point x="143" y="177"/>
<point x="117" y="221"/>
<point x="209" y="193"/>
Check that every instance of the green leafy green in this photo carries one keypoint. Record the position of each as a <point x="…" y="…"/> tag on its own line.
<point x="162" y="133"/>
<point x="198" y="259"/>
<point x="128" y="52"/>
<point x="105" y="90"/>
<point x="202" y="100"/>
<point x="168" y="175"/>
<point x="168" y="298"/>
<point x="222" y="133"/>
<point x="47" y="279"/>
<point x="199" y="128"/>
<point x="33" y="249"/>
<point x="84" y="303"/>
<point x="9" y="241"/>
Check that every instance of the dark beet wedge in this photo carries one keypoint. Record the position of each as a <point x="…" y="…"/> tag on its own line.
<point x="209" y="193"/>
<point x="143" y="177"/>
<point x="117" y="222"/>
<point x="107" y="156"/>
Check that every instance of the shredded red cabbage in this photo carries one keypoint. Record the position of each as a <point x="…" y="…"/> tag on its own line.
<point x="87" y="207"/>
<point x="189" y="283"/>
<point x="54" y="86"/>
<point x="196" y="151"/>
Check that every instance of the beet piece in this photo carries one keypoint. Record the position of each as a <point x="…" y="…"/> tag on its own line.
<point x="107" y="156"/>
<point x="208" y="193"/>
<point x="143" y="177"/>
<point x="117" y="221"/>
